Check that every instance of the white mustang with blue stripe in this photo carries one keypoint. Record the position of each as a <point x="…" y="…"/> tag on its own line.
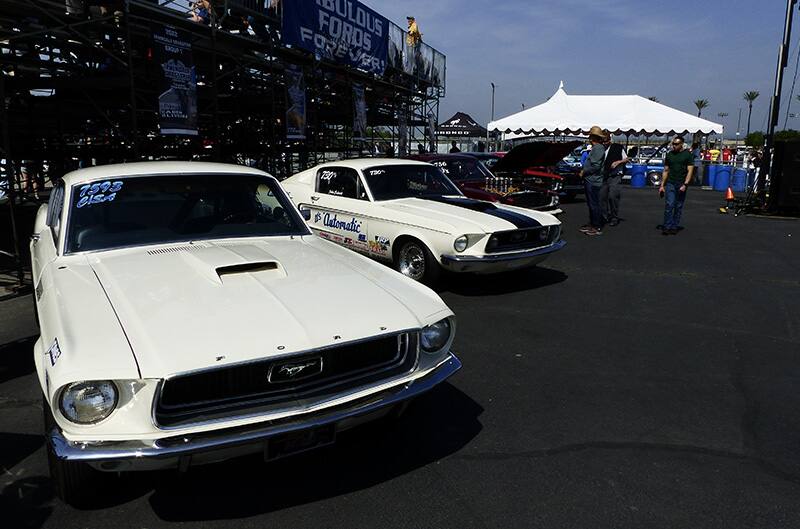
<point x="411" y="214"/>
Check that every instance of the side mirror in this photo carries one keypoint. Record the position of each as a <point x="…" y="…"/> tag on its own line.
<point x="306" y="213"/>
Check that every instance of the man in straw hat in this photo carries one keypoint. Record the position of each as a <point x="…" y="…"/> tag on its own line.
<point x="592" y="174"/>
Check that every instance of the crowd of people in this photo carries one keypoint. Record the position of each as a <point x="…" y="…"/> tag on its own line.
<point x="603" y="165"/>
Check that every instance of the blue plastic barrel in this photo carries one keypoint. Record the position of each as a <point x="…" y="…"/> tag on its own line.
<point x="739" y="180"/>
<point x="638" y="175"/>
<point x="723" y="179"/>
<point x="711" y="172"/>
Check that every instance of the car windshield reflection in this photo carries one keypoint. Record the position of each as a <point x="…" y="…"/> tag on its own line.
<point x="171" y="208"/>
<point x="391" y="182"/>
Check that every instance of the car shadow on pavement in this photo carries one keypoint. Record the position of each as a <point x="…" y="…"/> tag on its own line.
<point x="16" y="359"/>
<point x="505" y="283"/>
<point x="435" y="426"/>
<point x="27" y="502"/>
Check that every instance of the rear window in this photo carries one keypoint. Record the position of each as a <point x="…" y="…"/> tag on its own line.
<point x="170" y="208"/>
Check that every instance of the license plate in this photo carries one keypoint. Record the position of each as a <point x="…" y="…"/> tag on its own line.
<point x="295" y="442"/>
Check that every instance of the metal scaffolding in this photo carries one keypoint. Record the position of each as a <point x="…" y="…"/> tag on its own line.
<point x="79" y="86"/>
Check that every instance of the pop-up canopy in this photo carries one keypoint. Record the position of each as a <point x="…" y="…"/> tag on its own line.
<point x="461" y="125"/>
<point x="568" y="114"/>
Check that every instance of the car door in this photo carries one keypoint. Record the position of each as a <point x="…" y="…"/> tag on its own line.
<point x="338" y="207"/>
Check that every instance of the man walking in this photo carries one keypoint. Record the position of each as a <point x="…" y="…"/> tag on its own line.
<point x="678" y="173"/>
<point x="592" y="174"/>
<point x="610" y="192"/>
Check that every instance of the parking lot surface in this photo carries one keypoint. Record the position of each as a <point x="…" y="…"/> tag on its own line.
<point x="632" y="380"/>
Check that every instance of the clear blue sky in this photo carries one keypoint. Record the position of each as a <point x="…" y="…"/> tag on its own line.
<point x="678" y="51"/>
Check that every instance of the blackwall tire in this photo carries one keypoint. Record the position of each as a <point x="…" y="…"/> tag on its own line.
<point x="415" y="261"/>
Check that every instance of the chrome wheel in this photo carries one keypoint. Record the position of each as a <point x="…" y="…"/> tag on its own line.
<point x="411" y="261"/>
<point x="655" y="178"/>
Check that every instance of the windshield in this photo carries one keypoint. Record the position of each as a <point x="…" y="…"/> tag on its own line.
<point x="388" y="182"/>
<point x="170" y="208"/>
<point x="463" y="169"/>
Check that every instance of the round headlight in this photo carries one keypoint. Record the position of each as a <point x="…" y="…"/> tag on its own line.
<point x="88" y="402"/>
<point x="435" y="336"/>
<point x="460" y="244"/>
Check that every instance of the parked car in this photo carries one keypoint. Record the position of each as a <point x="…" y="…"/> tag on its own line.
<point x="489" y="159"/>
<point x="410" y="214"/>
<point x="188" y="315"/>
<point x="569" y="168"/>
<point x="535" y="164"/>
<point x="476" y="181"/>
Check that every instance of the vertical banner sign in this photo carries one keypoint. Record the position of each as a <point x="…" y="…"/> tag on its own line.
<point x="402" y="126"/>
<point x="359" y="113"/>
<point x="343" y="31"/>
<point x="431" y="132"/>
<point x="397" y="41"/>
<point x="296" y="111"/>
<point x="177" y="100"/>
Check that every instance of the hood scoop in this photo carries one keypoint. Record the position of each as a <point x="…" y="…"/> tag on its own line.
<point x="246" y="268"/>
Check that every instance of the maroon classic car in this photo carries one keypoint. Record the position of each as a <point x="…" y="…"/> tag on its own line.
<point x="478" y="182"/>
<point x="535" y="162"/>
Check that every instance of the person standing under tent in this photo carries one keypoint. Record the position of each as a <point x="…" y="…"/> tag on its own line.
<point x="453" y="147"/>
<point x="592" y="174"/>
<point x="678" y="173"/>
<point x="610" y="191"/>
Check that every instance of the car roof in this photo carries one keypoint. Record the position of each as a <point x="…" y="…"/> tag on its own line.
<point x="100" y="172"/>
<point x="442" y="156"/>
<point x="364" y="163"/>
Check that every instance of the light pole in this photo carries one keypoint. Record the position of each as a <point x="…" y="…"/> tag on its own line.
<point x="738" y="127"/>
<point x="487" y="132"/>
<point x="722" y="115"/>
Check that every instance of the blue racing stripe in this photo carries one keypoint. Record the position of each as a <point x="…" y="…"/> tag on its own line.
<point x="517" y="219"/>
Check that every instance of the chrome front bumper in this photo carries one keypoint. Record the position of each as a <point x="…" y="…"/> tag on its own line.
<point x="208" y="447"/>
<point x="492" y="263"/>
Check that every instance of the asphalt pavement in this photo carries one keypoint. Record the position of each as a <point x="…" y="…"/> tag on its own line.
<point x="632" y="380"/>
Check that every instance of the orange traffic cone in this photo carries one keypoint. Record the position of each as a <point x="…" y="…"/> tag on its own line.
<point x="729" y="198"/>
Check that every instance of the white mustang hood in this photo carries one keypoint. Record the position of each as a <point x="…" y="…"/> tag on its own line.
<point x="198" y="305"/>
<point x="465" y="215"/>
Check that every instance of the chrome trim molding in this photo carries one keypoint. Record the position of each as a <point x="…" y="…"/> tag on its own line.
<point x="175" y="447"/>
<point x="497" y="258"/>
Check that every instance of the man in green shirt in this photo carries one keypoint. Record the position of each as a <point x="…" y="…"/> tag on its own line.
<point x="678" y="172"/>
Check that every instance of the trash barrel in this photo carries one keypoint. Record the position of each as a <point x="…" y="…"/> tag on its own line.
<point x="712" y="175"/>
<point x="723" y="179"/>
<point x="638" y="175"/>
<point x="739" y="180"/>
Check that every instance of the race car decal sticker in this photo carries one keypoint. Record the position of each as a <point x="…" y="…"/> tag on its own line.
<point x="380" y="245"/>
<point x="332" y="221"/>
<point x="98" y="192"/>
<point x="54" y="352"/>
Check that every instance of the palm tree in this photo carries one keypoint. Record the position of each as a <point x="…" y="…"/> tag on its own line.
<point x="701" y="104"/>
<point x="750" y="97"/>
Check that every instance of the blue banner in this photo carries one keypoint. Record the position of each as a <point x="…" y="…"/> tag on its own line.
<point x="343" y="31"/>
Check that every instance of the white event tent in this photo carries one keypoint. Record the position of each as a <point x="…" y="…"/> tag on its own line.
<point x="565" y="114"/>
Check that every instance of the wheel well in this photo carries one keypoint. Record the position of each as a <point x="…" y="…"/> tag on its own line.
<point x="400" y="241"/>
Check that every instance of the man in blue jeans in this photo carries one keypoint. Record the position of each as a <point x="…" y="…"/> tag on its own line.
<point x="678" y="173"/>
<point x="592" y="174"/>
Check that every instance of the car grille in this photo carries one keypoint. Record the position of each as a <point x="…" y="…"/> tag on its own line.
<point x="262" y="386"/>
<point x="530" y="200"/>
<point x="526" y="239"/>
